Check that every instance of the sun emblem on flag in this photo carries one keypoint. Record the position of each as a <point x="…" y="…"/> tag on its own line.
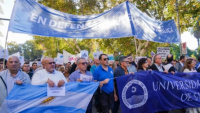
<point x="48" y="100"/>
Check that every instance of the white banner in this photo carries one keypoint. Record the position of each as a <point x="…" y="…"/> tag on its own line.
<point x="97" y="54"/>
<point x="68" y="57"/>
<point x="21" y="58"/>
<point x="15" y="54"/>
<point x="163" y="51"/>
<point x="2" y="51"/>
<point x="59" y="59"/>
<point x="84" y="54"/>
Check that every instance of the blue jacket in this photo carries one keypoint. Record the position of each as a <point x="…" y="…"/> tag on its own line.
<point x="119" y="71"/>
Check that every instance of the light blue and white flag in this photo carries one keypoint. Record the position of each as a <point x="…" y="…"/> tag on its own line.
<point x="33" y="99"/>
<point x="124" y="20"/>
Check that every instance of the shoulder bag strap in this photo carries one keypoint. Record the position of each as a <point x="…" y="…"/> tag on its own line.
<point x="3" y="82"/>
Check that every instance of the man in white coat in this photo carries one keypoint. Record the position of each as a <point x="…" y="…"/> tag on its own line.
<point x="49" y="75"/>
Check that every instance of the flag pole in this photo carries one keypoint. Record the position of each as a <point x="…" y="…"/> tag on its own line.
<point x="5" y="50"/>
<point x="179" y="27"/>
<point x="5" y="42"/>
<point x="7" y="36"/>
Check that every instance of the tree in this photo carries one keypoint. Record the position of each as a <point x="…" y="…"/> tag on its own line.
<point x="13" y="47"/>
<point x="196" y="30"/>
<point x="29" y="50"/>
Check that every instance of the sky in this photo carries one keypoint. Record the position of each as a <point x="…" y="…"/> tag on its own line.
<point x="7" y="6"/>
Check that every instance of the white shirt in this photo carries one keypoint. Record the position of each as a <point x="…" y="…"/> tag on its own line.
<point x="187" y="70"/>
<point x="41" y="77"/>
<point x="181" y="64"/>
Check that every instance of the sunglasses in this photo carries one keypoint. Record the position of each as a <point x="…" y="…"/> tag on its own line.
<point x="84" y="63"/>
<point x="106" y="59"/>
<point x="51" y="63"/>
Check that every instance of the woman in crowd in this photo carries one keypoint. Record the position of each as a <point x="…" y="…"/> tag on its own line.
<point x="142" y="65"/>
<point x="62" y="69"/>
<point x="189" y="66"/>
<point x="67" y="73"/>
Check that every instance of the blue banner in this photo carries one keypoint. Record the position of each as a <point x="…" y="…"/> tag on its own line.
<point x="124" y="20"/>
<point x="33" y="99"/>
<point x="149" y="92"/>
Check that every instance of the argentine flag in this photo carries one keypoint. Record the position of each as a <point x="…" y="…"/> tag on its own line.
<point x="33" y="99"/>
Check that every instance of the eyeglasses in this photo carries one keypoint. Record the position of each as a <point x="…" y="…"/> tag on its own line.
<point x="126" y="61"/>
<point x="51" y="63"/>
<point x="106" y="59"/>
<point x="84" y="63"/>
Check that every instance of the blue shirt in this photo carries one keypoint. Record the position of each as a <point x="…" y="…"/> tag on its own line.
<point x="10" y="80"/>
<point x="93" y="68"/>
<point x="131" y="68"/>
<point x="76" y="75"/>
<point x="100" y="74"/>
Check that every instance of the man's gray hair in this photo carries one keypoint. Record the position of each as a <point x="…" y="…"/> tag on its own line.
<point x="121" y="59"/>
<point x="80" y="59"/>
<point x="14" y="57"/>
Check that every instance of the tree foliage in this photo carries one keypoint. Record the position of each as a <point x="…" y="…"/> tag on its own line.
<point x="29" y="50"/>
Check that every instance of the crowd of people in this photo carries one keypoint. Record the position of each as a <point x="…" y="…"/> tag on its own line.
<point x="100" y="69"/>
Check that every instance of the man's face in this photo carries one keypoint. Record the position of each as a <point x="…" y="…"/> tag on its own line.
<point x="130" y="58"/>
<point x="50" y="65"/>
<point x="96" y="61"/>
<point x="13" y="64"/>
<point x="1" y="65"/>
<point x="125" y="62"/>
<point x="34" y="66"/>
<point x="26" y="67"/>
<point x="158" y="59"/>
<point x="68" y="65"/>
<point x="149" y="61"/>
<point x="82" y="65"/>
<point x="104" y="60"/>
<point x="184" y="59"/>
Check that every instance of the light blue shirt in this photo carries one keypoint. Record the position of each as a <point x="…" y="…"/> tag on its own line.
<point x="10" y="80"/>
<point x="131" y="68"/>
<point x="159" y="67"/>
<point x="76" y="75"/>
<point x="93" y="68"/>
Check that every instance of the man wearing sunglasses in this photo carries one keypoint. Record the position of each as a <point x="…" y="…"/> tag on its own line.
<point x="104" y="74"/>
<point x="82" y="71"/>
<point x="119" y="71"/>
<point x="49" y="75"/>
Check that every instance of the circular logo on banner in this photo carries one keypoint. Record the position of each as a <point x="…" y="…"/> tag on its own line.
<point x="134" y="94"/>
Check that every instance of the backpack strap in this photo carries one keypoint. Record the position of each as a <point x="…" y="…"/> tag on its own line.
<point x="3" y="82"/>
